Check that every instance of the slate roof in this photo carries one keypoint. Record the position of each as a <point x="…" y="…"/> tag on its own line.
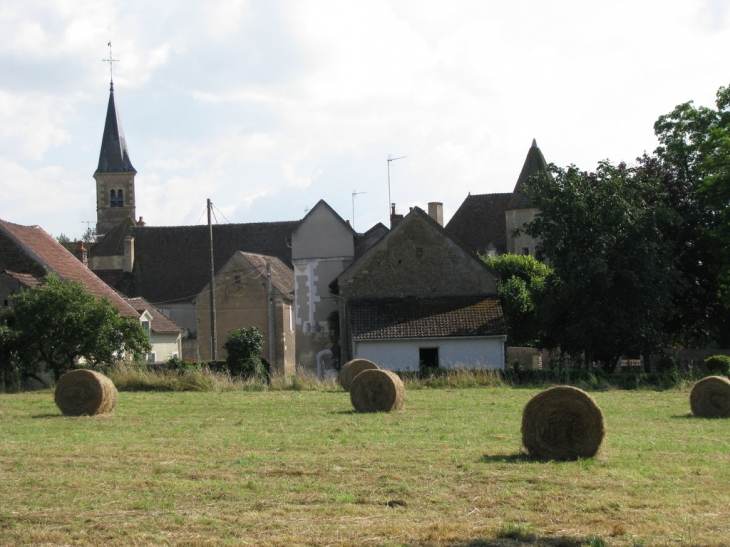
<point x="172" y="263"/>
<point x="480" y="220"/>
<point x="534" y="163"/>
<point x="54" y="257"/>
<point x="453" y="316"/>
<point x="26" y="280"/>
<point x="114" y="156"/>
<point x="160" y="322"/>
<point x="112" y="244"/>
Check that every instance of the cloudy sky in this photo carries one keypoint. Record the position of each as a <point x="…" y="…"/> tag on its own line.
<point x="266" y="107"/>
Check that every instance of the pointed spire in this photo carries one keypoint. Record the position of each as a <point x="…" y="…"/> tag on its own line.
<point x="534" y="163"/>
<point x="114" y="156"/>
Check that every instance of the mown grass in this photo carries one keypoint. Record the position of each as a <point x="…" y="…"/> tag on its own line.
<point x="300" y="468"/>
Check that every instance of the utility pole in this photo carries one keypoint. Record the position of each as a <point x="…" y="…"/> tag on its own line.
<point x="391" y="158"/>
<point x="355" y="193"/>
<point x="213" y="333"/>
<point x="272" y="334"/>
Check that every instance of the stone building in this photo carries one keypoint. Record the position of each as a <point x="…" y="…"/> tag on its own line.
<point x="486" y="223"/>
<point x="418" y="296"/>
<point x="251" y="290"/>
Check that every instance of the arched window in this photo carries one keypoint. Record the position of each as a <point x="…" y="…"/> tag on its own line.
<point x="112" y="199"/>
<point x="120" y="198"/>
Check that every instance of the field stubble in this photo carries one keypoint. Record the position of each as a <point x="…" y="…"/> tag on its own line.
<point x="300" y="468"/>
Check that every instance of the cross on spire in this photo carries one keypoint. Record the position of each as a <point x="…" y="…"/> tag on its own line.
<point x="110" y="61"/>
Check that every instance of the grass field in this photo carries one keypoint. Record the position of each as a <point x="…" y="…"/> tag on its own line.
<point x="300" y="468"/>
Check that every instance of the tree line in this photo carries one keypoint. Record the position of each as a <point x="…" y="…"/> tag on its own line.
<point x="635" y="256"/>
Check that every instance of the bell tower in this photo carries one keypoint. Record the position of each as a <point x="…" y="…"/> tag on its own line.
<point x="115" y="196"/>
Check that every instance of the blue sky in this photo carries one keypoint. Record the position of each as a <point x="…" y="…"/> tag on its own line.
<point x="267" y="107"/>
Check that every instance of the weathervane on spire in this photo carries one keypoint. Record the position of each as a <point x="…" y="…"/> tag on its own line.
<point x="110" y="61"/>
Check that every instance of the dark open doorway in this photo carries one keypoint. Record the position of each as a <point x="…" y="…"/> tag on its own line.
<point x="428" y="358"/>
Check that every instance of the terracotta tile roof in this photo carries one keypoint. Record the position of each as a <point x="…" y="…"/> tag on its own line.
<point x="27" y="280"/>
<point x="172" y="263"/>
<point x="480" y="221"/>
<point x="282" y="276"/>
<point x="452" y="316"/>
<point x="160" y="322"/>
<point x="54" y="257"/>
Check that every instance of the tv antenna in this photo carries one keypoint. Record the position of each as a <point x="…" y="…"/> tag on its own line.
<point x="355" y="193"/>
<point x="110" y="61"/>
<point x="391" y="158"/>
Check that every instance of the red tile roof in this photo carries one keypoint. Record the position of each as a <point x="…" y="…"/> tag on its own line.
<point x="450" y="316"/>
<point x="54" y="257"/>
<point x="25" y="279"/>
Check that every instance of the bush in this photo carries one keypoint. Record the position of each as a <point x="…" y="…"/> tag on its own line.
<point x="243" y="347"/>
<point x="718" y="364"/>
<point x="665" y="363"/>
<point x="181" y="366"/>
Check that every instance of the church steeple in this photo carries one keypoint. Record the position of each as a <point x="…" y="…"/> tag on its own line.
<point x="115" y="195"/>
<point x="114" y="156"/>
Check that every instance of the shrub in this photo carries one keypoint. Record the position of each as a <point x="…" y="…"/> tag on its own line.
<point x="181" y="366"/>
<point x="665" y="363"/>
<point x="243" y="347"/>
<point x="718" y="364"/>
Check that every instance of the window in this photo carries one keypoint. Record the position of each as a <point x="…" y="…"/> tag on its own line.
<point x="120" y="198"/>
<point x="146" y="328"/>
<point x="116" y="199"/>
<point x="526" y="251"/>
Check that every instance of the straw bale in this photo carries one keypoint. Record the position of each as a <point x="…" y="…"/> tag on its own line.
<point x="375" y="390"/>
<point x="562" y="423"/>
<point x="710" y="397"/>
<point x="85" y="392"/>
<point x="352" y="369"/>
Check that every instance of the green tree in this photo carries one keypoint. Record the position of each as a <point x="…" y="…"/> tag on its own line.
<point x="694" y="153"/>
<point x="522" y="285"/>
<point x="243" y="347"/>
<point x="333" y="322"/>
<point x="615" y="273"/>
<point x="58" y="324"/>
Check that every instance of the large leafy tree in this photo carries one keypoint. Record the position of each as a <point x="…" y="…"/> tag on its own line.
<point x="59" y="324"/>
<point x="694" y="154"/>
<point x="614" y="270"/>
<point x="521" y="288"/>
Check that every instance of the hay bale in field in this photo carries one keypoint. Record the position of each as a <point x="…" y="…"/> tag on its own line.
<point x="87" y="392"/>
<point x="562" y="423"/>
<point x="710" y="398"/>
<point x="375" y="390"/>
<point x="353" y="368"/>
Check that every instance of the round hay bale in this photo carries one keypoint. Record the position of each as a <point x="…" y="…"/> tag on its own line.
<point x="710" y="398"/>
<point x="562" y="423"/>
<point x="375" y="390"/>
<point x="353" y="368"/>
<point x="87" y="392"/>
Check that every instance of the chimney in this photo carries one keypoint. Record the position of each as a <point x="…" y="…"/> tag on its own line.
<point x="128" y="253"/>
<point x="141" y="222"/>
<point x="436" y="211"/>
<point x="82" y="254"/>
<point x="394" y="219"/>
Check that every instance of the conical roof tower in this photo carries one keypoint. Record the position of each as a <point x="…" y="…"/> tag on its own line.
<point x="534" y="164"/>
<point x="115" y="194"/>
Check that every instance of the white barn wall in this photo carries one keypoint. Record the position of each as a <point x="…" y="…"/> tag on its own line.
<point x="402" y="355"/>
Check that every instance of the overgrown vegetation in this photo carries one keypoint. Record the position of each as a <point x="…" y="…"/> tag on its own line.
<point x="243" y="347"/>
<point x="300" y="468"/>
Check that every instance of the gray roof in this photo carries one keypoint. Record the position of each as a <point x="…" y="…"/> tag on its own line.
<point x="114" y="156"/>
<point x="450" y="316"/>
<point x="480" y="222"/>
<point x="534" y="164"/>
<point x="172" y="263"/>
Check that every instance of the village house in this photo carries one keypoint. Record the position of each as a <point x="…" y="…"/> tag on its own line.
<point x="164" y="334"/>
<point x="420" y="298"/>
<point x="486" y="223"/>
